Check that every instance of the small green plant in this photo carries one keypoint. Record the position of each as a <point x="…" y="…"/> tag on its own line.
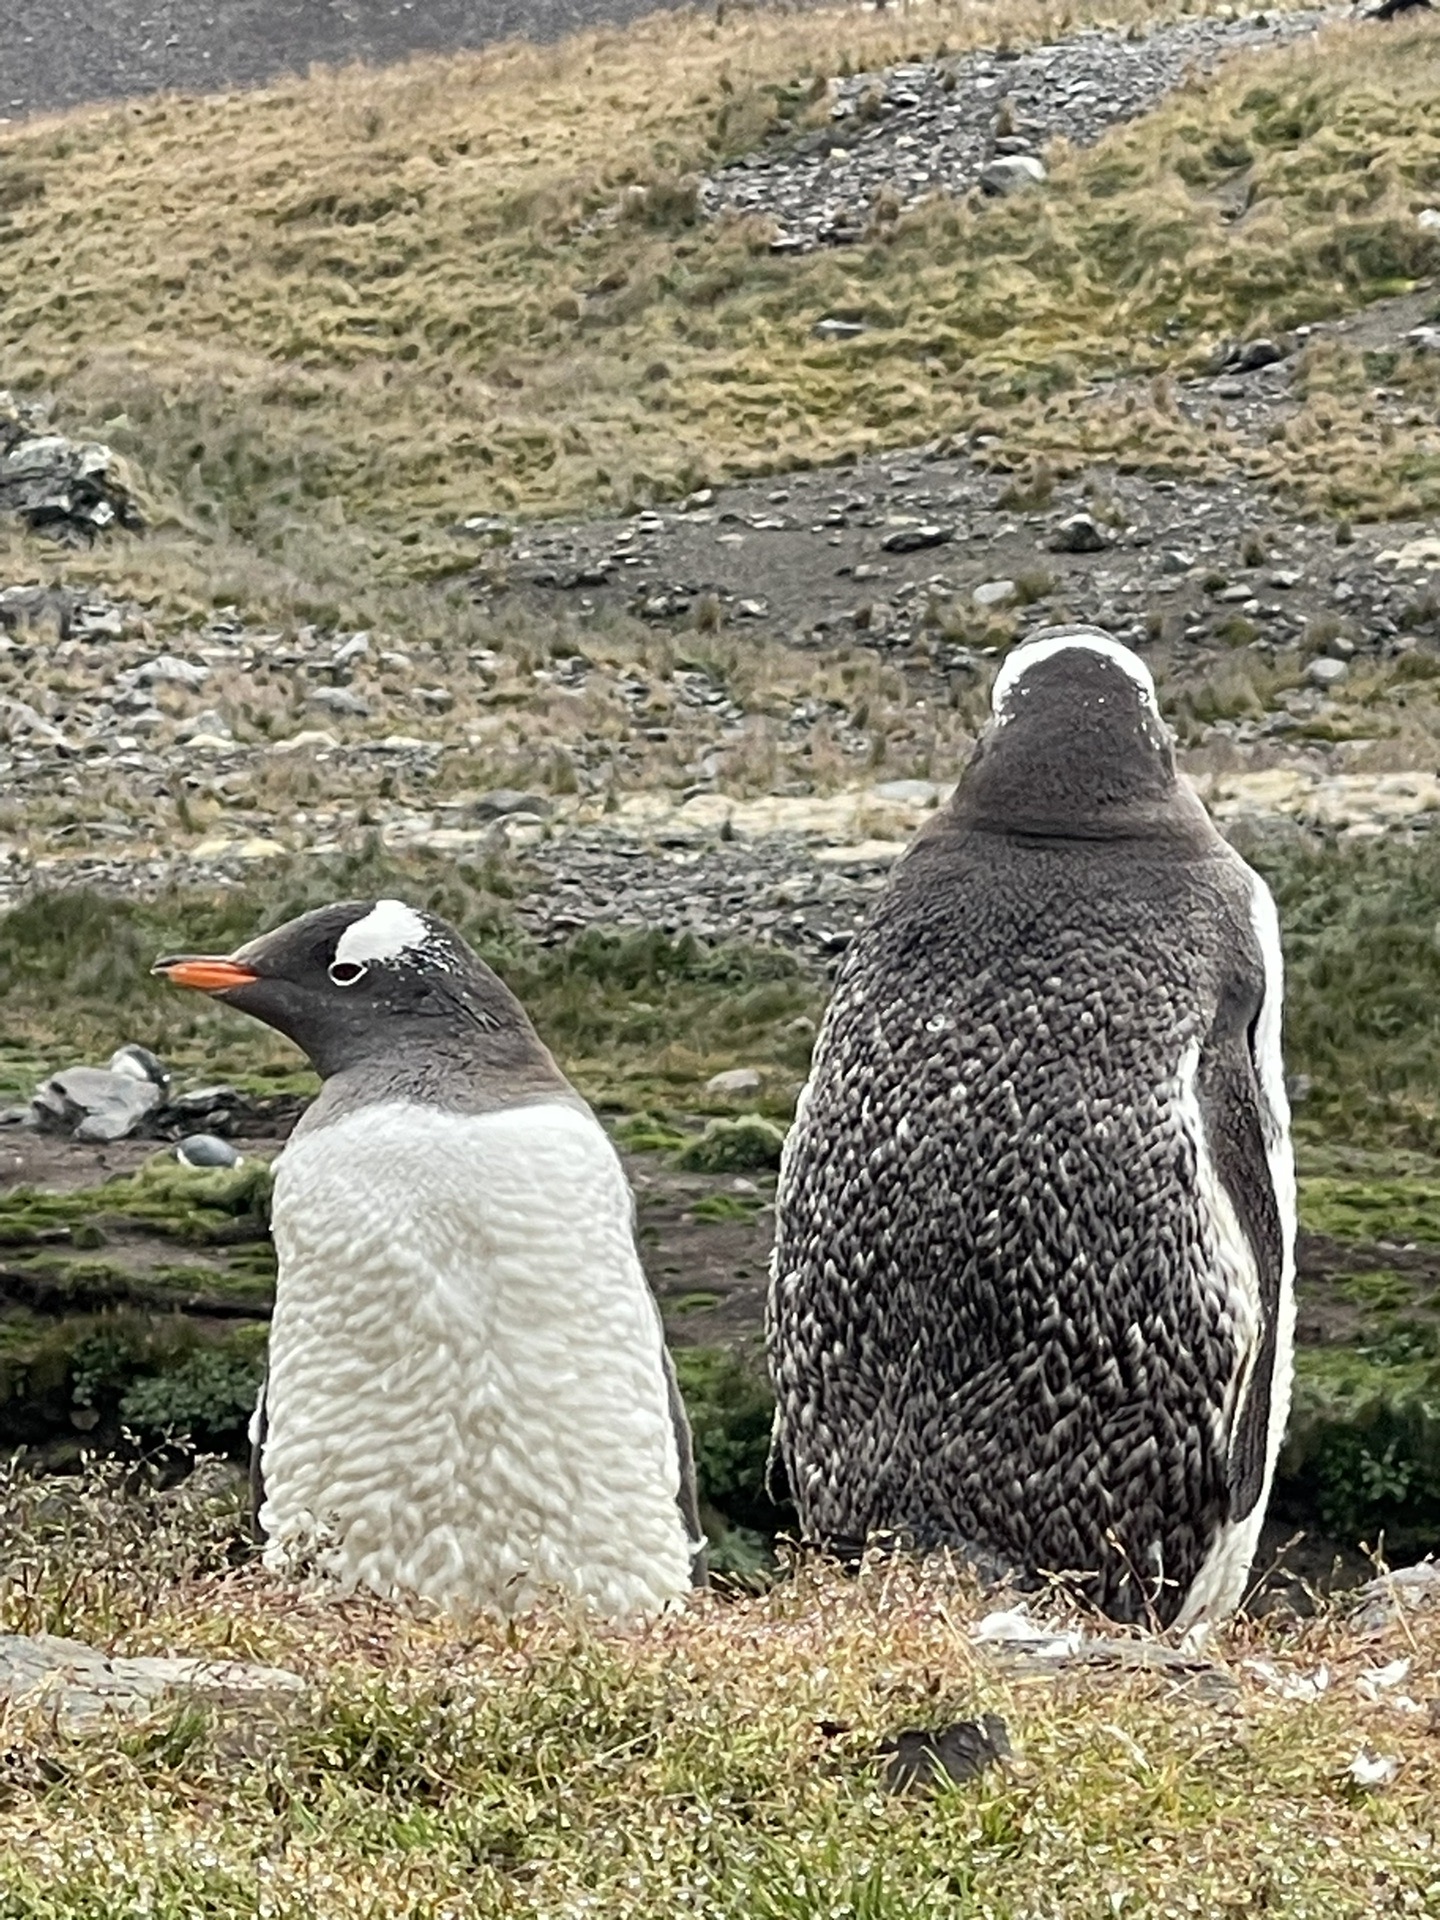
<point x="748" y="1144"/>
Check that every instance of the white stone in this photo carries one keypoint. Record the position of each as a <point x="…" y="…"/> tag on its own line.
<point x="735" y="1080"/>
<point x="313" y="737"/>
<point x="993" y="593"/>
<point x="1014" y="173"/>
<point x="1326" y="673"/>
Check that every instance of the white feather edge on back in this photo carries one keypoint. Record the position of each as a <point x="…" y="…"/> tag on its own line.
<point x="467" y="1397"/>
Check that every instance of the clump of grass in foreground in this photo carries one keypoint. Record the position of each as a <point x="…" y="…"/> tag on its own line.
<point x="299" y="303"/>
<point x="720" y="1762"/>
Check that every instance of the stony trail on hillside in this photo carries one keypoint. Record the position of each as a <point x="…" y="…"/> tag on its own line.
<point x="980" y="119"/>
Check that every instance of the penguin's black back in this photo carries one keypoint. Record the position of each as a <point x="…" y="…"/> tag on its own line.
<point x="994" y="1318"/>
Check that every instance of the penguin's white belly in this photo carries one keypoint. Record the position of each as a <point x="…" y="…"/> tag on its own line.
<point x="467" y="1397"/>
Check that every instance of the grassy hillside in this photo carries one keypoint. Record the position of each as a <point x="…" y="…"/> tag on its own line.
<point x="333" y="319"/>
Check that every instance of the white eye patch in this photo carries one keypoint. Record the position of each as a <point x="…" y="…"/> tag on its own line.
<point x="1017" y="663"/>
<point x="388" y="930"/>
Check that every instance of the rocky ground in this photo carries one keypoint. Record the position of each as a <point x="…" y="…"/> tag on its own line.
<point x="981" y="120"/>
<point x="821" y="645"/>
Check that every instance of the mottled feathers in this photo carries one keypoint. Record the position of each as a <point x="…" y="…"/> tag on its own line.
<point x="1031" y="1285"/>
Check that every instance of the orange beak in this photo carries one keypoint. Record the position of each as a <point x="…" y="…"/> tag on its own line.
<point x="204" y="973"/>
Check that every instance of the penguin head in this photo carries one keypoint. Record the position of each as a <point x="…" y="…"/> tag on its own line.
<point x="1075" y="745"/>
<point x="359" y="981"/>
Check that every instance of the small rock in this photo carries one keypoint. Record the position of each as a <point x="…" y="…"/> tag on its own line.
<point x="916" y="539"/>
<point x="993" y="593"/>
<point x="1255" y="354"/>
<point x="64" y="486"/>
<point x="168" y="669"/>
<point x="78" y="1683"/>
<point x="207" y="1103"/>
<point x="1326" y="673"/>
<point x="139" y="1063"/>
<point x="959" y="1752"/>
<point x="20" y="715"/>
<point x="1429" y="217"/>
<point x="207" y="1150"/>
<point x="1175" y="560"/>
<point x="353" y="649"/>
<point x="1012" y="173"/>
<point x="501" y="801"/>
<point x="1373" y="1770"/>
<point x="1393" y="1595"/>
<point x="1079" y="533"/>
<point x="837" y="329"/>
<point x="437" y="699"/>
<point x="735" y="1081"/>
<point x="92" y="1103"/>
<point x="208" y="725"/>
<point x="338" y="700"/>
<point x="314" y="740"/>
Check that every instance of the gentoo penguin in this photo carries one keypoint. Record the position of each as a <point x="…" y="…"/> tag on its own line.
<point x="1032" y="1290"/>
<point x="469" y="1396"/>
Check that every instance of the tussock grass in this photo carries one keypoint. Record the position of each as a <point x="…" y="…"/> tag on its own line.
<point x="720" y="1762"/>
<point x="334" y="317"/>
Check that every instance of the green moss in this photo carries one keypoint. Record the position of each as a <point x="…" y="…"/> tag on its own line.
<point x="644" y="1133"/>
<point x="1381" y="1291"/>
<point x="1363" y="1448"/>
<point x="731" y="1411"/>
<point x="153" y="1373"/>
<point x="726" y="1206"/>
<point x="1392" y="1211"/>
<point x="748" y="1144"/>
<point x="207" y="1397"/>
<point x="698" y="1302"/>
<point x="1362" y="1018"/>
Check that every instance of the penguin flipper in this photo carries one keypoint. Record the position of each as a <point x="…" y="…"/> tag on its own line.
<point x="259" y="1426"/>
<point x="1241" y="1088"/>
<point x="689" y="1497"/>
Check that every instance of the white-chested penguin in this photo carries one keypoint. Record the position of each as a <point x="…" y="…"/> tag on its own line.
<point x="469" y="1396"/>
<point x="1032" y="1292"/>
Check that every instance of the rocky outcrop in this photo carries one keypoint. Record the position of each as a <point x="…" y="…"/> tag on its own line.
<point x="75" y="488"/>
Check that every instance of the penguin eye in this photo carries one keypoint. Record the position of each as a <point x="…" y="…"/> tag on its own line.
<point x="347" y="973"/>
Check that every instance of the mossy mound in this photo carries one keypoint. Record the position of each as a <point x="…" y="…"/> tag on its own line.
<point x="750" y="1144"/>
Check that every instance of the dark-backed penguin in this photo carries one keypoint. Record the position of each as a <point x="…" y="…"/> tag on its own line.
<point x="469" y="1396"/>
<point x="1032" y="1290"/>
